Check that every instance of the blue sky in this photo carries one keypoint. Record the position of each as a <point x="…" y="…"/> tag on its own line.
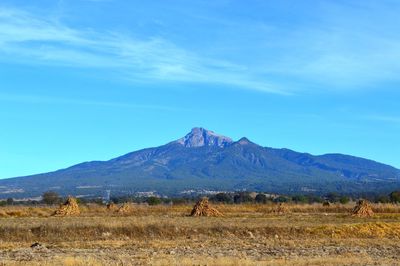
<point x="93" y="79"/>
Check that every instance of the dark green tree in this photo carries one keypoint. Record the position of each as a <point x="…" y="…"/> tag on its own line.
<point x="395" y="196"/>
<point x="382" y="199"/>
<point x="222" y="197"/>
<point x="300" y="199"/>
<point x="242" y="197"/>
<point x="261" y="198"/>
<point x="344" y="199"/>
<point x="333" y="197"/>
<point x="10" y="201"/>
<point x="51" y="197"/>
<point x="314" y="199"/>
<point x="153" y="201"/>
<point x="281" y="199"/>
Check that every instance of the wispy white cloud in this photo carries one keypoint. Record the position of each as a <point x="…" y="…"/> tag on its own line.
<point x="42" y="99"/>
<point x="30" y="38"/>
<point x="347" y="46"/>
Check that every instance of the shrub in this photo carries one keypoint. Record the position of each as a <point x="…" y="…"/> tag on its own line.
<point x="281" y="199"/>
<point x="153" y="200"/>
<point x="344" y="199"/>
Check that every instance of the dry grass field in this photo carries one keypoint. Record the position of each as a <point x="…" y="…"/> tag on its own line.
<point x="166" y="235"/>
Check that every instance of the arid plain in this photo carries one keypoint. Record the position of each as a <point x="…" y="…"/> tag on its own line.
<point x="247" y="234"/>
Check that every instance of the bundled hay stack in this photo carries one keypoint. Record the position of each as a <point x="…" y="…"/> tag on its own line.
<point x="70" y="207"/>
<point x="126" y="208"/>
<point x="362" y="209"/>
<point x="202" y="208"/>
<point x="281" y="209"/>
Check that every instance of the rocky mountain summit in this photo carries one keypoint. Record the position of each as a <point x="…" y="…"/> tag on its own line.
<point x="199" y="137"/>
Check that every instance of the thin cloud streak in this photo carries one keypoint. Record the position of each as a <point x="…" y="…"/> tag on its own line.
<point x="26" y="37"/>
<point x="346" y="47"/>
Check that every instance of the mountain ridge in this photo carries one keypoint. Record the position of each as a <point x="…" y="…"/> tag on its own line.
<point x="206" y="160"/>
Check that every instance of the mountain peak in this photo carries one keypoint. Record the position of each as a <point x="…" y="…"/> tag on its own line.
<point x="199" y="137"/>
<point x="244" y="141"/>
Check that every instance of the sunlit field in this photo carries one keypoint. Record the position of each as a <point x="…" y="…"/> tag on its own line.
<point x="165" y="235"/>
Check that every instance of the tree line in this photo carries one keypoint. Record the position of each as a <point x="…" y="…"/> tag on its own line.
<point x="53" y="198"/>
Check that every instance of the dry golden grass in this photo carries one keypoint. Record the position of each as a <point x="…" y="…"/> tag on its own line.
<point x="248" y="234"/>
<point x="66" y="261"/>
<point x="182" y="210"/>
